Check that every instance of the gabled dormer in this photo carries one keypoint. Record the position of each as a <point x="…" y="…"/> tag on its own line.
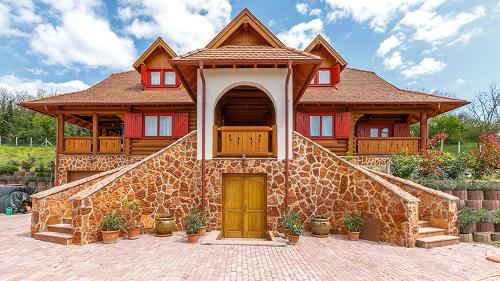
<point x="154" y="66"/>
<point x="328" y="74"/>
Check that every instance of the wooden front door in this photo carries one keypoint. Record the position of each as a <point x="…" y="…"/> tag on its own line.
<point x="244" y="206"/>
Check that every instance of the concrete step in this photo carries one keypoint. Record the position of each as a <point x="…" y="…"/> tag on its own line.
<point x="61" y="228"/>
<point x="424" y="223"/>
<point x="67" y="220"/>
<point x="437" y="241"/>
<point x="430" y="231"/>
<point x="54" y="237"/>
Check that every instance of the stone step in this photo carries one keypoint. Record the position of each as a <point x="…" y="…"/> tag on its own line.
<point x="54" y="237"/>
<point x="430" y="231"/>
<point x="424" y="223"/>
<point x="67" y="220"/>
<point x="437" y="241"/>
<point x="61" y="228"/>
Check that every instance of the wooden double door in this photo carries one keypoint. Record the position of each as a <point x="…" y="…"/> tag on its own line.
<point x="244" y="205"/>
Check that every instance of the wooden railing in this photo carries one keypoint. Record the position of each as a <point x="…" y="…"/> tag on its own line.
<point x="77" y="145"/>
<point x="110" y="145"/>
<point x="385" y="146"/>
<point x="251" y="141"/>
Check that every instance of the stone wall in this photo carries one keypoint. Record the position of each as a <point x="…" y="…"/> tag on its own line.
<point x="366" y="160"/>
<point x="89" y="162"/>
<point x="321" y="184"/>
<point x="435" y="206"/>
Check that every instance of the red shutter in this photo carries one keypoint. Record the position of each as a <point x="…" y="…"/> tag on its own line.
<point x="302" y="123"/>
<point x="144" y="75"/>
<point x="133" y="125"/>
<point x="336" y="74"/>
<point x="401" y="130"/>
<point x="180" y="123"/>
<point x="363" y="131"/>
<point x="342" y="125"/>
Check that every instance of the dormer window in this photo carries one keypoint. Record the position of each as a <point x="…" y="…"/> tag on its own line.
<point x="326" y="77"/>
<point x="160" y="78"/>
<point x="154" y="78"/>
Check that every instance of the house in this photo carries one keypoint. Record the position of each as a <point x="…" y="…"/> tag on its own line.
<point x="246" y="127"/>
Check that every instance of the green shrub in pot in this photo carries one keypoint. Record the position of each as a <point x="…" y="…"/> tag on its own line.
<point x="353" y="223"/>
<point x="111" y="225"/>
<point x="467" y="219"/>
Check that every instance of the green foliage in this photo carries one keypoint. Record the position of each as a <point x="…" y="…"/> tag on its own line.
<point x="455" y="167"/>
<point x="290" y="218"/>
<point x="496" y="215"/>
<point x="27" y="164"/>
<point x="403" y="165"/>
<point x="193" y="224"/>
<point x="201" y="213"/>
<point x="484" y="215"/>
<point x="450" y="124"/>
<point x="354" y="222"/>
<point x="467" y="216"/>
<point x="132" y="211"/>
<point x="459" y="184"/>
<point x="112" y="222"/>
<point x="296" y="229"/>
<point x="485" y="161"/>
<point x="8" y="168"/>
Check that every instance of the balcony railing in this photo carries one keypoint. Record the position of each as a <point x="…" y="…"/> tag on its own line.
<point x="83" y="145"/>
<point x="385" y="146"/>
<point x="248" y="141"/>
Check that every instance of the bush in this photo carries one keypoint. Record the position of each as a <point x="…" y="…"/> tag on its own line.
<point x="290" y="218"/>
<point x="354" y="222"/>
<point x="112" y="222"/>
<point x="201" y="213"/>
<point x="193" y="224"/>
<point x="484" y="215"/>
<point x="132" y="209"/>
<point x="28" y="164"/>
<point x="297" y="228"/>
<point x="467" y="216"/>
<point x="403" y="165"/>
<point x="485" y="161"/>
<point x="496" y="215"/>
<point x="459" y="184"/>
<point x="13" y="163"/>
<point x="8" y="168"/>
<point x="455" y="167"/>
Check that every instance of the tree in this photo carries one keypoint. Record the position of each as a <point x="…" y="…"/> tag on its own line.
<point x="450" y="124"/>
<point x="484" y="111"/>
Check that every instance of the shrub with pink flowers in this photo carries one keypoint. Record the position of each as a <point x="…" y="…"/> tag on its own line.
<point x="485" y="160"/>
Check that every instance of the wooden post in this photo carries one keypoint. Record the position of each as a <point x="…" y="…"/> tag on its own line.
<point x="458" y="147"/>
<point x="60" y="133"/>
<point x="31" y="142"/>
<point x="95" y="133"/>
<point x="16" y="141"/>
<point x="423" y="129"/>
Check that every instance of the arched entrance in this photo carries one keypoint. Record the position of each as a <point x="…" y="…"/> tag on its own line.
<point x="245" y="124"/>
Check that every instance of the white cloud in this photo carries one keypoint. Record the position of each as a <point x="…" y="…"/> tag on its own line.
<point x="377" y="13"/>
<point x="15" y="16"/>
<point x="301" y="8"/>
<point x="300" y="35"/>
<point x="17" y="84"/>
<point x="184" y="24"/>
<point x="81" y="37"/>
<point x="387" y="45"/>
<point x="315" y="12"/>
<point x="426" y="67"/>
<point x="394" y="61"/>
<point x="467" y="36"/>
<point x="459" y="82"/>
<point x="37" y="71"/>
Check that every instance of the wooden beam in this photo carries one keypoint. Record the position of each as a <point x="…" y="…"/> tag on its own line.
<point x="423" y="129"/>
<point x="60" y="133"/>
<point x="95" y="133"/>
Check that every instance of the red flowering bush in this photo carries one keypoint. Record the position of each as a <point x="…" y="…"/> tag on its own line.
<point x="432" y="160"/>
<point x="485" y="160"/>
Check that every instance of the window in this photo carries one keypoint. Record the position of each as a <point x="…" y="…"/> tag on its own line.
<point x="158" y="126"/>
<point x="324" y="76"/>
<point x="321" y="125"/>
<point x="170" y="78"/>
<point x="154" y="78"/>
<point x="384" y="133"/>
<point x="373" y="132"/>
<point x="162" y="78"/>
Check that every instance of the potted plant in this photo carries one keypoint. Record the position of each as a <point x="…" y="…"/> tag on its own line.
<point x="320" y="226"/>
<point x="203" y="217"/>
<point x="164" y="225"/>
<point x="193" y="228"/>
<point x="353" y="223"/>
<point x="467" y="219"/>
<point x="294" y="232"/>
<point x="289" y="218"/>
<point x="486" y="220"/>
<point x="132" y="210"/>
<point x="110" y="227"/>
<point x="496" y="215"/>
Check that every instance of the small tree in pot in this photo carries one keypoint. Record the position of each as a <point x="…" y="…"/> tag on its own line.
<point x="203" y="217"/>
<point x="294" y="232"/>
<point x="496" y="215"/>
<point x="486" y="220"/>
<point x="193" y="228"/>
<point x="111" y="225"/>
<point x="289" y="219"/>
<point x="467" y="219"/>
<point x="132" y="210"/>
<point x="353" y="223"/>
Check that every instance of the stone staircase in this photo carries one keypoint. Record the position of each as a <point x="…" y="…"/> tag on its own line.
<point x="431" y="237"/>
<point x="60" y="233"/>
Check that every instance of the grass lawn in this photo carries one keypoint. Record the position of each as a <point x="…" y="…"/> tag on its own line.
<point x="21" y="153"/>
<point x="453" y="148"/>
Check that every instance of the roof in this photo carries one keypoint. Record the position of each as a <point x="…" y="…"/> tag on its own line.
<point x="242" y="53"/>
<point x="319" y="40"/>
<point x="122" y="88"/>
<point x="158" y="43"/>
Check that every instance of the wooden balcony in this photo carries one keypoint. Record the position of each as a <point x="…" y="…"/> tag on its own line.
<point x="250" y="141"/>
<point x="386" y="146"/>
<point x="83" y="145"/>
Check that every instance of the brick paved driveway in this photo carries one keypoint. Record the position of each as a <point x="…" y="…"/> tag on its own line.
<point x="152" y="258"/>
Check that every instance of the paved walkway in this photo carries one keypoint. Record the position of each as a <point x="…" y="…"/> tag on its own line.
<point x="153" y="258"/>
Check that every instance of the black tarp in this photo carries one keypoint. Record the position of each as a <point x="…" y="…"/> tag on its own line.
<point x="14" y="197"/>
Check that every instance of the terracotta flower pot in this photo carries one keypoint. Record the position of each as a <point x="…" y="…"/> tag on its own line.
<point x="320" y="226"/>
<point x="193" y="238"/>
<point x="134" y="233"/>
<point x="351" y="235"/>
<point x="164" y="226"/>
<point x="468" y="228"/>
<point x="203" y="231"/>
<point x="110" y="237"/>
<point x="293" y="239"/>
<point x="286" y="232"/>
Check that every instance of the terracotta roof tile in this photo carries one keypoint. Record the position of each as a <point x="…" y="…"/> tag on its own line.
<point x="246" y="52"/>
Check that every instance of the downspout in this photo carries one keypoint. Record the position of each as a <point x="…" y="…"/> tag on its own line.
<point x="287" y="129"/>
<point x="203" y="105"/>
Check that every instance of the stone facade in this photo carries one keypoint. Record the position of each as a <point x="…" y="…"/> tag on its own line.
<point x="88" y="162"/>
<point x="366" y="160"/>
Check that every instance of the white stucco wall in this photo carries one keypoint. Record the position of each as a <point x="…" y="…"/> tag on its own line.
<point x="219" y="81"/>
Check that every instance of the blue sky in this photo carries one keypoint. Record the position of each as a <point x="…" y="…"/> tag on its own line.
<point x="449" y="46"/>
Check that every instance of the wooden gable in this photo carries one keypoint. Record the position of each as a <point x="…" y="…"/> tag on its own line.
<point x="245" y="29"/>
<point x="156" y="56"/>
<point x="320" y="47"/>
